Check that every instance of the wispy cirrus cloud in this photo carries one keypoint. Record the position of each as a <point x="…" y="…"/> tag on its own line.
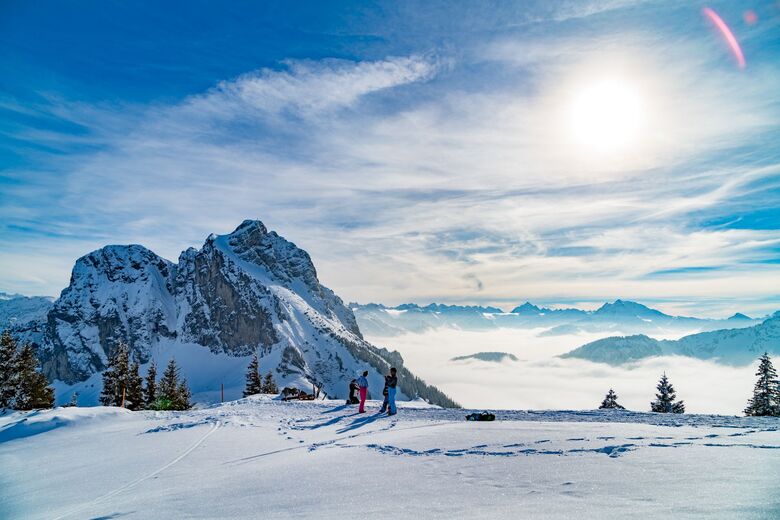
<point x="307" y="88"/>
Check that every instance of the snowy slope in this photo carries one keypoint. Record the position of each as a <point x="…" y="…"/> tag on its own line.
<point x="257" y="458"/>
<point x="246" y="292"/>
<point x="730" y="346"/>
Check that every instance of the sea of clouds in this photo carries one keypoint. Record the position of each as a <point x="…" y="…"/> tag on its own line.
<point x="542" y="380"/>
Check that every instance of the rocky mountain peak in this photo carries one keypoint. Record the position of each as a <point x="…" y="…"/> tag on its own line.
<point x="250" y="226"/>
<point x="120" y="263"/>
<point x="284" y="261"/>
<point x="627" y="308"/>
<point x="527" y="307"/>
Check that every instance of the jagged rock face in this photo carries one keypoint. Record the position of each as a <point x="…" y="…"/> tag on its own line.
<point x="289" y="265"/>
<point x="118" y="293"/>
<point x="249" y="291"/>
<point x="221" y="308"/>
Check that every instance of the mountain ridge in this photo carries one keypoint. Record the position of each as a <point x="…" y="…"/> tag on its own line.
<point x="735" y="346"/>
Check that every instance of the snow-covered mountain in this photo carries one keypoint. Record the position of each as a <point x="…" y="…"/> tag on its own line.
<point x="24" y="315"/>
<point x="16" y="309"/>
<point x="249" y="291"/>
<point x="729" y="346"/>
<point x="378" y="320"/>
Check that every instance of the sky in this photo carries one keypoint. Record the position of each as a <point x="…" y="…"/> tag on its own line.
<point x="562" y="152"/>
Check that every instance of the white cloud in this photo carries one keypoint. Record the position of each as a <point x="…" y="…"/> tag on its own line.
<point x="308" y="88"/>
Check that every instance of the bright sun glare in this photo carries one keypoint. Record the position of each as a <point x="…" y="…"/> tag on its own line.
<point x="606" y="116"/>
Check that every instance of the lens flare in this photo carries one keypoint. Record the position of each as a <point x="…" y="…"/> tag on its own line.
<point x="727" y="35"/>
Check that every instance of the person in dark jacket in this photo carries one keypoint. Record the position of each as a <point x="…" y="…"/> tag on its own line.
<point x="386" y="401"/>
<point x="392" y="382"/>
<point x="353" y="392"/>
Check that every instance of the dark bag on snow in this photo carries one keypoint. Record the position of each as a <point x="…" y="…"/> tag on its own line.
<point x="484" y="416"/>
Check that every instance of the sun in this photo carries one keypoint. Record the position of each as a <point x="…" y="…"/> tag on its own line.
<point x="606" y="116"/>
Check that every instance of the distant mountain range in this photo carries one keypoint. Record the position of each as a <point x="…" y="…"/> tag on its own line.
<point x="618" y="316"/>
<point x="18" y="310"/>
<point x="736" y="346"/>
<point x="245" y="292"/>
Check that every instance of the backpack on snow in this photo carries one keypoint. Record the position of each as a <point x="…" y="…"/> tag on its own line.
<point x="483" y="416"/>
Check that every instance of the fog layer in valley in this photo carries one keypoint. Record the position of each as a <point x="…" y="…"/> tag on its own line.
<point x="541" y="380"/>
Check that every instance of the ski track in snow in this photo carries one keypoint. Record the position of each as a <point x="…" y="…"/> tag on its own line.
<point x="134" y="483"/>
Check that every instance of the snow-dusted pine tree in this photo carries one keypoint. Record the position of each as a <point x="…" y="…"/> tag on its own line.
<point x="610" y="401"/>
<point x="8" y="370"/>
<point x="74" y="399"/>
<point x="134" y="397"/>
<point x="183" y="396"/>
<point x="108" y="393"/>
<point x="766" y="393"/>
<point x="665" y="398"/>
<point x="33" y="390"/>
<point x="269" y="384"/>
<point x="254" y="383"/>
<point x="150" y="390"/>
<point x="116" y="377"/>
<point x="169" y="383"/>
<point x="172" y="394"/>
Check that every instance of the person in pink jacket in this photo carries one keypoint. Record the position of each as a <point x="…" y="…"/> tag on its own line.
<point x="362" y="382"/>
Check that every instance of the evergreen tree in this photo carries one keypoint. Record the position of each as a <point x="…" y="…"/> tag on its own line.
<point x="254" y="383"/>
<point x="665" y="398"/>
<point x="8" y="371"/>
<point x="172" y="394"/>
<point x="108" y="393"/>
<point x="33" y="390"/>
<point x="169" y="383"/>
<point x="269" y="385"/>
<point x="766" y="394"/>
<point x="74" y="399"/>
<point x="134" y="396"/>
<point x="610" y="401"/>
<point x="183" y="396"/>
<point x="116" y="377"/>
<point x="150" y="391"/>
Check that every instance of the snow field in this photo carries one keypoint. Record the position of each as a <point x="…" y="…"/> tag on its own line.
<point x="257" y="458"/>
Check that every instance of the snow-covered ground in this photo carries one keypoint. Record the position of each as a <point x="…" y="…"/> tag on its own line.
<point x="259" y="458"/>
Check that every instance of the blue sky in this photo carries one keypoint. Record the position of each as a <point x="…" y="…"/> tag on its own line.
<point x="420" y="151"/>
